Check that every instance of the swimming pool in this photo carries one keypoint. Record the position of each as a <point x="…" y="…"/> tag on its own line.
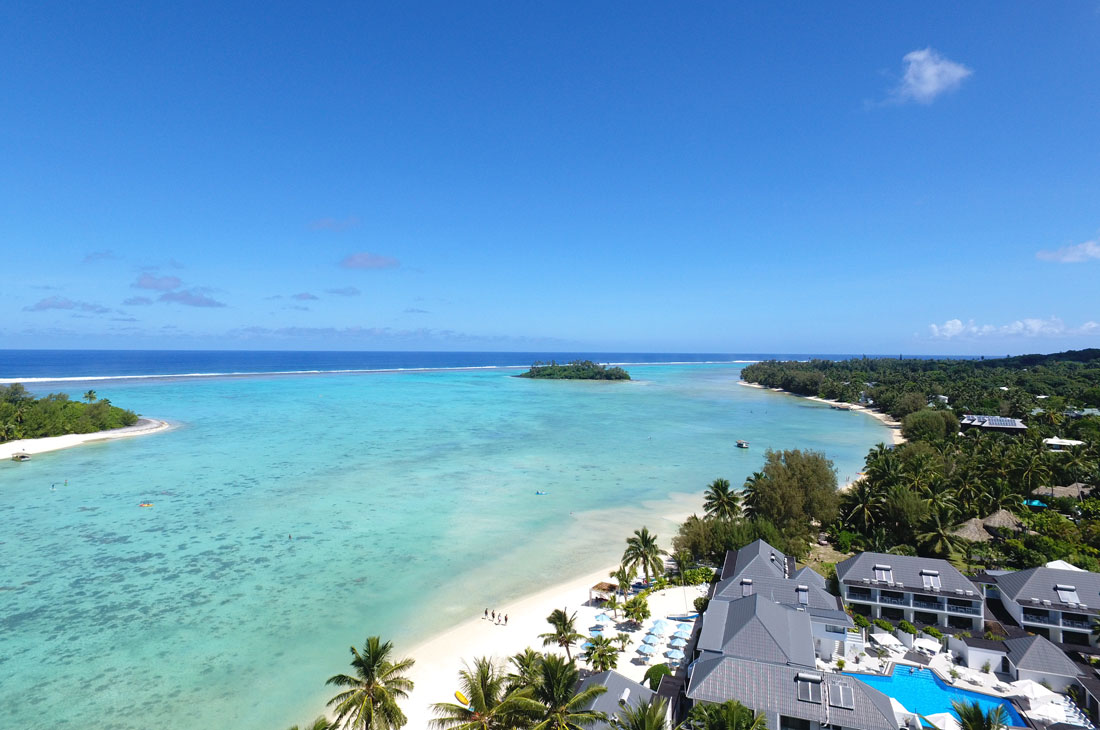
<point x="926" y="694"/>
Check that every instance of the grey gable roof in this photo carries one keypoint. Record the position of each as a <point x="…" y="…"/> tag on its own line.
<point x="820" y="603"/>
<point x="1024" y="585"/>
<point x="809" y="576"/>
<point x="758" y="559"/>
<point x="608" y="702"/>
<point x="906" y="570"/>
<point x="1037" y="654"/>
<point x="756" y="628"/>
<point x="771" y="688"/>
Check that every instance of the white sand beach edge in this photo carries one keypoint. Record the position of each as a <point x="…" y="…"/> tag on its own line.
<point x="143" y="427"/>
<point x="894" y="426"/>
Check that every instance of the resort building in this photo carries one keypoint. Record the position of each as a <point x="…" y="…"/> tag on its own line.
<point x="756" y="628"/>
<point x="621" y="693"/>
<point x="791" y="697"/>
<point x="922" y="591"/>
<point x="1056" y="603"/>
<point x="1028" y="657"/>
<point x="996" y="424"/>
<point x="758" y="569"/>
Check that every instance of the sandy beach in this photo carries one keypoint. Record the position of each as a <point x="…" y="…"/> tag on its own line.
<point x="439" y="659"/>
<point x="143" y="427"/>
<point x="894" y="426"/>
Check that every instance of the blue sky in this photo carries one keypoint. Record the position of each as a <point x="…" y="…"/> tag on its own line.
<point x="662" y="177"/>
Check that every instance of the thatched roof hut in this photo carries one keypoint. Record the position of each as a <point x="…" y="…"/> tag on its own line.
<point x="973" y="530"/>
<point x="1077" y="490"/>
<point x="1003" y="519"/>
<point x="602" y="591"/>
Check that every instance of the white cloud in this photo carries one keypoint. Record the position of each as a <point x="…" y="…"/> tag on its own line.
<point x="927" y="75"/>
<point x="1075" y="254"/>
<point x="1027" y="327"/>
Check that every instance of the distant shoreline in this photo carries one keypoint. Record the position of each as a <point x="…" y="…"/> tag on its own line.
<point x="894" y="426"/>
<point x="43" y="445"/>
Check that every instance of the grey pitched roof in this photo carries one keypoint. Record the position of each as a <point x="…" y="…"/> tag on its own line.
<point x="906" y="570"/>
<point x="1037" y="654"/>
<point x="616" y="685"/>
<point x="1040" y="583"/>
<point x="756" y="628"/>
<point x="809" y="576"/>
<point x="773" y="688"/>
<point x="819" y="602"/>
<point x="758" y="559"/>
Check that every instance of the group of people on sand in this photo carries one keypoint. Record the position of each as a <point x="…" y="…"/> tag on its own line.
<point x="500" y="619"/>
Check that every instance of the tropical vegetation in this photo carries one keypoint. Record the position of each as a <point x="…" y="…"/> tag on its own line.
<point x="369" y="697"/>
<point x="22" y="416"/>
<point x="576" y="370"/>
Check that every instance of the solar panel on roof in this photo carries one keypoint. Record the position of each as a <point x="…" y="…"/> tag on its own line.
<point x="841" y="695"/>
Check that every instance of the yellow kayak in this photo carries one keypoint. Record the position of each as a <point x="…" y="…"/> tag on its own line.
<point x="462" y="698"/>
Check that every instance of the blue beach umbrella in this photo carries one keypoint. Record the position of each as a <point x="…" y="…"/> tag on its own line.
<point x="678" y="641"/>
<point x="651" y="639"/>
<point x="661" y="623"/>
<point x="675" y="654"/>
<point x="682" y="634"/>
<point x="683" y="626"/>
<point x="603" y="618"/>
<point x="646" y="649"/>
<point x="660" y="630"/>
<point x="586" y="645"/>
<point x="596" y="633"/>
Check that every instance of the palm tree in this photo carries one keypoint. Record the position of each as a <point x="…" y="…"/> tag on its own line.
<point x="493" y="706"/>
<point x="370" y="698"/>
<point x="601" y="654"/>
<point x="623" y="640"/>
<point x="683" y="562"/>
<point x="623" y="576"/>
<point x="721" y="503"/>
<point x="565" y="630"/>
<point x="938" y="538"/>
<point x="562" y="704"/>
<point x="730" y="715"/>
<point x="973" y="717"/>
<point x="641" y="550"/>
<point x="90" y="396"/>
<point x="749" y="494"/>
<point x="321" y="723"/>
<point x="646" y="716"/>
<point x="612" y="604"/>
<point x="637" y="609"/>
<point x="864" y="505"/>
<point x="527" y="665"/>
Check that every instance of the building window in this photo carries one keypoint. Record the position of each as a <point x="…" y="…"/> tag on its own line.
<point x="809" y="687"/>
<point x="884" y="573"/>
<point x="803" y="595"/>
<point x="931" y="579"/>
<point x="746" y="587"/>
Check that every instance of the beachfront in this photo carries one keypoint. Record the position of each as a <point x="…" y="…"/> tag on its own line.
<point x="143" y="427"/>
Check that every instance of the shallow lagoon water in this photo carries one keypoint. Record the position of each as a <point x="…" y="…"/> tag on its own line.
<point x="294" y="516"/>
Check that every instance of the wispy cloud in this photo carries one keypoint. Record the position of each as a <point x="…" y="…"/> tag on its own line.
<point x="105" y="255"/>
<point x="344" y="291"/>
<point x="334" y="224"/>
<point x="927" y="75"/>
<point x="367" y="260"/>
<point x="191" y="298"/>
<point x="137" y="301"/>
<point x="157" y="283"/>
<point x="57" y="302"/>
<point x="305" y="297"/>
<point x="1028" y="327"/>
<point x="1075" y="254"/>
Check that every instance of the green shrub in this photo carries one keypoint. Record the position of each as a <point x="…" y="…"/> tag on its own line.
<point x="986" y="667"/>
<point x="861" y="621"/>
<point x="840" y="665"/>
<point x="907" y="627"/>
<point x="700" y="603"/>
<point x="933" y="632"/>
<point x="698" y="576"/>
<point x="884" y="624"/>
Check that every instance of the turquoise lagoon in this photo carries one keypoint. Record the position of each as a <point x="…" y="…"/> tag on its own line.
<point x="293" y="516"/>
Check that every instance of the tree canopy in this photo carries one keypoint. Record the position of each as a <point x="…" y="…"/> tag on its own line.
<point x="22" y="416"/>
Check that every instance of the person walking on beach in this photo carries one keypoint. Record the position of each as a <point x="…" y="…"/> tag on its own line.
<point x="494" y="614"/>
<point x="486" y="616"/>
<point x="505" y="619"/>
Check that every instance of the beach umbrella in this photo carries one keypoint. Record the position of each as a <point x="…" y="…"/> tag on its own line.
<point x="603" y="618"/>
<point x="929" y="645"/>
<point x="596" y="633"/>
<point x="682" y="634"/>
<point x="678" y="641"/>
<point x="586" y="645"/>
<point x="659" y="630"/>
<point x="943" y="721"/>
<point x="662" y="624"/>
<point x="651" y="639"/>
<point x="683" y="626"/>
<point x="675" y="654"/>
<point x="647" y="649"/>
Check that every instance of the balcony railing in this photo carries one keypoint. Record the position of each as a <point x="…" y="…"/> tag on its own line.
<point x="920" y="603"/>
<point x="901" y="601"/>
<point x="1075" y="623"/>
<point x="859" y="595"/>
<point x="972" y="610"/>
<point x="1039" y="618"/>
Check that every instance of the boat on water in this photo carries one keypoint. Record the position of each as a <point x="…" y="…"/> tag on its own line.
<point x="841" y="406"/>
<point x="742" y="444"/>
<point x="21" y="456"/>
